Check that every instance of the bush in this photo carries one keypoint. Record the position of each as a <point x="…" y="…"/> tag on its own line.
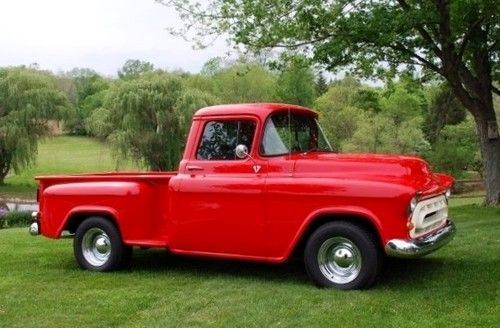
<point x="455" y="151"/>
<point x="15" y="219"/>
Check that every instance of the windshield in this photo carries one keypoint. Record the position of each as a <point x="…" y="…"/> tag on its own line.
<point x="288" y="132"/>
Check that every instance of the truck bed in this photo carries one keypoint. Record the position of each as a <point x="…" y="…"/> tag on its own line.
<point x="137" y="200"/>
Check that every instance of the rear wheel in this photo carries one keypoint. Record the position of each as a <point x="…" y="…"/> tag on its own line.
<point x="342" y="255"/>
<point x="98" y="246"/>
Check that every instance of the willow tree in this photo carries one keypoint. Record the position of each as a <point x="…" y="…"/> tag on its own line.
<point x="149" y="116"/>
<point x="27" y="100"/>
<point x="457" y="40"/>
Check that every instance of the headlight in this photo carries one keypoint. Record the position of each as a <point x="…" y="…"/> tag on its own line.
<point x="412" y="206"/>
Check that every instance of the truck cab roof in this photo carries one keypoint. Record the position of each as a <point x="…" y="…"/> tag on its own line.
<point x="260" y="109"/>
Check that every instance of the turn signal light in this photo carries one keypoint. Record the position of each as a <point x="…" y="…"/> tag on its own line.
<point x="410" y="225"/>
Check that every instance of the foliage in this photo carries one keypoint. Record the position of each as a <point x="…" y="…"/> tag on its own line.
<point x="340" y="94"/>
<point x="295" y="84"/>
<point x="342" y="108"/>
<point x="27" y="100"/>
<point x="149" y="116"/>
<point x="456" y="40"/>
<point x="134" y="68"/>
<point x="15" y="219"/>
<point x="367" y="99"/>
<point x="98" y="124"/>
<point x="444" y="109"/>
<point x="321" y="84"/>
<point x="456" y="149"/>
<point x="91" y="91"/>
<point x="401" y="106"/>
<point x="340" y="124"/>
<point x="362" y="119"/>
<point x="378" y="135"/>
<point x="243" y="83"/>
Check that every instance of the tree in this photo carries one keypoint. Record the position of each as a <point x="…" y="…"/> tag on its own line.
<point x="149" y="116"/>
<point x="134" y="68"/>
<point x="339" y="113"/>
<point x="378" y="134"/>
<point x="401" y="106"/>
<point x="457" y="40"/>
<point x="91" y="89"/>
<point x="27" y="100"/>
<point x="295" y="84"/>
<point x="321" y="84"/>
<point x="455" y="149"/>
<point x="244" y="82"/>
<point x="444" y="109"/>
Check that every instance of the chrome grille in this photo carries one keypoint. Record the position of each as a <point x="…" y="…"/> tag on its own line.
<point x="428" y="215"/>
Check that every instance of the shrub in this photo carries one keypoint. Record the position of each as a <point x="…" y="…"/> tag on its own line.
<point x="15" y="219"/>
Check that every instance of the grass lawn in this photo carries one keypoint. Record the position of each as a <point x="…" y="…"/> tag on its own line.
<point x="458" y="286"/>
<point x="63" y="155"/>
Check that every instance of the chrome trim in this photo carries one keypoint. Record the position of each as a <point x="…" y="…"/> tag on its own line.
<point x="339" y="260"/>
<point x="96" y="247"/>
<point x="421" y="246"/>
<point x="34" y="231"/>
<point x="428" y="215"/>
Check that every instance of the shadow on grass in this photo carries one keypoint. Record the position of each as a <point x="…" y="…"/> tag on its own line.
<point x="158" y="261"/>
<point x="397" y="274"/>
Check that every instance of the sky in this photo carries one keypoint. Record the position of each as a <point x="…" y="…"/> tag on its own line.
<point x="99" y="34"/>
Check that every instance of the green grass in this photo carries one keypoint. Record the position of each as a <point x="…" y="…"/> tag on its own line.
<point x="458" y="286"/>
<point x="476" y="200"/>
<point x="62" y="155"/>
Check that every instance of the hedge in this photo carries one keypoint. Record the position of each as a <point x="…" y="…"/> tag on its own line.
<point x="15" y="219"/>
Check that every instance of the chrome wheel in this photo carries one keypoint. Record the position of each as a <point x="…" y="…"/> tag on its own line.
<point x="96" y="247"/>
<point x="339" y="260"/>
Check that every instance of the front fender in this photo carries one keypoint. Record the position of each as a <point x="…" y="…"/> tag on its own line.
<point x="334" y="212"/>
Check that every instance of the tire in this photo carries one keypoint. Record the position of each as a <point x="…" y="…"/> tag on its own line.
<point x="342" y="255"/>
<point x="98" y="246"/>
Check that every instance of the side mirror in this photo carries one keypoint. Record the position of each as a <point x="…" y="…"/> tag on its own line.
<point x="241" y="151"/>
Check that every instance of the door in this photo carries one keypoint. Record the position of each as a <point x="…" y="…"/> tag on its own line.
<point x="222" y="208"/>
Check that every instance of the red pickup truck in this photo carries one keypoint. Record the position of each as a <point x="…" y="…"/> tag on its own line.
<point x="257" y="182"/>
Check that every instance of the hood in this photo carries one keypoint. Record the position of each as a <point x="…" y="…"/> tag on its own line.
<point x="407" y="170"/>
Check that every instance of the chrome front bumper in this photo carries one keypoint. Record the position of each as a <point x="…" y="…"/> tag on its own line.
<point x="421" y="246"/>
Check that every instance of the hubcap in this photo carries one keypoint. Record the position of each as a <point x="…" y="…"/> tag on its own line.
<point x="96" y="246"/>
<point x="339" y="260"/>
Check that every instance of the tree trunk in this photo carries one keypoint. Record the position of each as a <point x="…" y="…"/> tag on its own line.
<point x="4" y="165"/>
<point x="490" y="153"/>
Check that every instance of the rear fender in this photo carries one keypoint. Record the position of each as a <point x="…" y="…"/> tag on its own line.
<point x="78" y="214"/>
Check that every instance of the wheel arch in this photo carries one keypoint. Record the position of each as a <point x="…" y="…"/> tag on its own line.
<point x="76" y="216"/>
<point x="361" y="219"/>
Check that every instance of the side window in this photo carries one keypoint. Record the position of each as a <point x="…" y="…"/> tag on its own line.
<point x="220" y="139"/>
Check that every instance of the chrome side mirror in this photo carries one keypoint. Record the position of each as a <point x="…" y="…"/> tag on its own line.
<point x="241" y="151"/>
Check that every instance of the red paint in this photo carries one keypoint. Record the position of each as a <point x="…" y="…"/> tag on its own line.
<point x="224" y="209"/>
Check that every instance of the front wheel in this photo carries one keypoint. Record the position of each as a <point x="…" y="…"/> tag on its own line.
<point x="98" y="246"/>
<point x="342" y="255"/>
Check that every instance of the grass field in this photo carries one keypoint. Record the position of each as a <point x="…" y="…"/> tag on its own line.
<point x="458" y="286"/>
<point x="62" y="155"/>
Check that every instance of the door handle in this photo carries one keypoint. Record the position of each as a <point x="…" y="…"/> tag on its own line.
<point x="194" y="168"/>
